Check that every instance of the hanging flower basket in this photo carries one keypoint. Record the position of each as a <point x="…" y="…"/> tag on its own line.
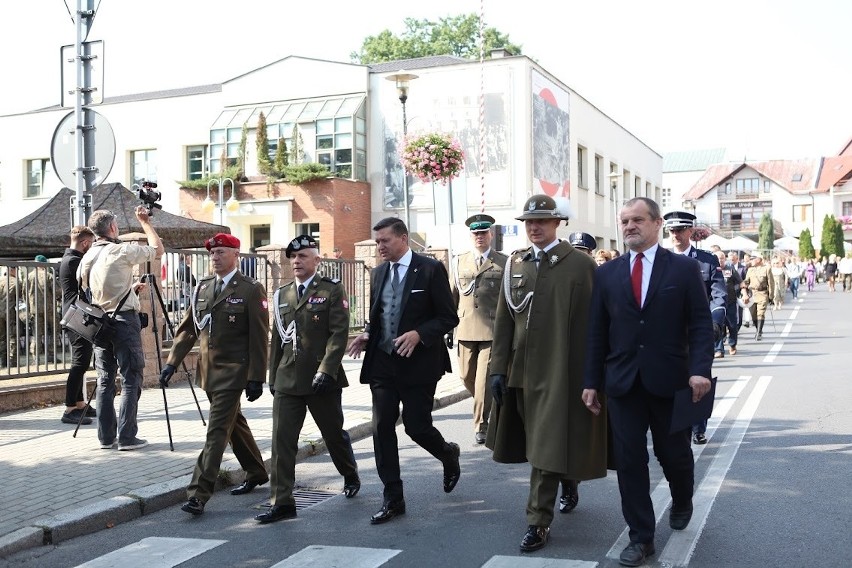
<point x="700" y="234"/>
<point x="433" y="157"/>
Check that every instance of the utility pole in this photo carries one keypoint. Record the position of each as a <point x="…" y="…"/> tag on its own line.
<point x="83" y="99"/>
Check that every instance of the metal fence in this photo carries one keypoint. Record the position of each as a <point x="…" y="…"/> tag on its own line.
<point x="354" y="276"/>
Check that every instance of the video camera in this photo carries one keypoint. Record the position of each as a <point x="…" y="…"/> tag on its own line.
<point x="148" y="196"/>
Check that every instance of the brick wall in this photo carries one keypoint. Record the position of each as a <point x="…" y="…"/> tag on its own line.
<point x="340" y="206"/>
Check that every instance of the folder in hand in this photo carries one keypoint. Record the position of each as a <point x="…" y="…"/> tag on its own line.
<point x="685" y="413"/>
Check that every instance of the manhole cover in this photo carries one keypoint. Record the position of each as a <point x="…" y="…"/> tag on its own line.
<point x="304" y="498"/>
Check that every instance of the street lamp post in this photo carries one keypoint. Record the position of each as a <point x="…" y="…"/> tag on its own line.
<point x="401" y="80"/>
<point x="613" y="187"/>
<point x="231" y="205"/>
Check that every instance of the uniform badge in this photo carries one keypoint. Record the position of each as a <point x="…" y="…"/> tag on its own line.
<point x="264" y="304"/>
<point x="316" y="300"/>
<point x="345" y="304"/>
<point x="232" y="319"/>
<point x="554" y="259"/>
<point x="518" y="260"/>
<point x="231" y="300"/>
<point x="316" y="317"/>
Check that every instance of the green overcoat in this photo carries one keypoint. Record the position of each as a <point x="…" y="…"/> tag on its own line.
<point x="541" y="347"/>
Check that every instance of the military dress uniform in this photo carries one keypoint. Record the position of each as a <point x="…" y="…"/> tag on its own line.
<point x="759" y="281"/>
<point x="309" y="336"/>
<point x="233" y="328"/>
<point x="476" y="289"/>
<point x="11" y="297"/>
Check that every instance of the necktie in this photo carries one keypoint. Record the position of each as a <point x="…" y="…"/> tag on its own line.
<point x="395" y="278"/>
<point x="217" y="288"/>
<point x="540" y="259"/>
<point x="636" y="279"/>
<point x="478" y="262"/>
<point x="301" y="290"/>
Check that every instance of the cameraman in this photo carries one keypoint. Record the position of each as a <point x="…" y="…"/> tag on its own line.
<point x="106" y="270"/>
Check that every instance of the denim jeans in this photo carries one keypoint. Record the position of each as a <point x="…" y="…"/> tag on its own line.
<point x="125" y="354"/>
<point x="731" y="326"/>
<point x="794" y="287"/>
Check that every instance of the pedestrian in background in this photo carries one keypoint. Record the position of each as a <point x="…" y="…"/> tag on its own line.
<point x="537" y="370"/>
<point x="831" y="272"/>
<point x="794" y="275"/>
<point x="475" y="284"/>
<point x="106" y="271"/>
<point x="779" y="284"/>
<point x="82" y="238"/>
<point x="311" y="316"/>
<point x="760" y="284"/>
<point x="732" y="288"/>
<point x="810" y="274"/>
<point x="230" y="317"/>
<point x="411" y="311"/>
<point x="844" y="271"/>
<point x="647" y="340"/>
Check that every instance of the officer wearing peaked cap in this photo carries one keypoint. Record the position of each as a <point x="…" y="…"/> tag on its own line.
<point x="309" y="334"/>
<point x="583" y="241"/>
<point x="475" y="281"/>
<point x="680" y="225"/>
<point x="230" y="320"/>
<point x="536" y="369"/>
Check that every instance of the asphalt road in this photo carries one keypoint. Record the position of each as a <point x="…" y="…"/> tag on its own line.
<point x="771" y="487"/>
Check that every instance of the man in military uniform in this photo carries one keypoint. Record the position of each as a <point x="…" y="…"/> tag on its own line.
<point x="759" y="281"/>
<point x="43" y="299"/>
<point x="475" y="281"/>
<point x="229" y="315"/>
<point x="583" y="242"/>
<point x="306" y="373"/>
<point x="536" y="368"/>
<point x="11" y="296"/>
<point x="732" y="287"/>
<point x="680" y="225"/>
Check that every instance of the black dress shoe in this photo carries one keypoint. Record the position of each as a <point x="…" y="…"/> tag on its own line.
<point x="479" y="437"/>
<point x="535" y="538"/>
<point x="276" y="513"/>
<point x="452" y="469"/>
<point x="351" y="486"/>
<point x="389" y="510"/>
<point x="570" y="496"/>
<point x="699" y="439"/>
<point x="679" y="518"/>
<point x="246" y="487"/>
<point x="635" y="553"/>
<point x="193" y="506"/>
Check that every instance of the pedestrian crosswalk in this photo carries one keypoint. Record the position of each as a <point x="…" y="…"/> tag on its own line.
<point x="154" y="552"/>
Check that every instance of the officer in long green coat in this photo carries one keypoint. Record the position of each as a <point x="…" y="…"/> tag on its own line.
<point x="230" y="317"/>
<point x="309" y="338"/>
<point x="536" y="367"/>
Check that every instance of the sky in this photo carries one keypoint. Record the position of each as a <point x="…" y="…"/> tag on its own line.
<point x="763" y="79"/>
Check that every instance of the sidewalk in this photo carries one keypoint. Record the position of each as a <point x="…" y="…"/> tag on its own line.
<point x="56" y="487"/>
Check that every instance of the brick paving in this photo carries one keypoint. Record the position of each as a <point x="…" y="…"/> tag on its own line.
<point x="46" y="472"/>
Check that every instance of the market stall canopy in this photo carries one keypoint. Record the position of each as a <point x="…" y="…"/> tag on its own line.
<point x="45" y="230"/>
<point x="715" y="239"/>
<point x="741" y="243"/>
<point x="787" y="243"/>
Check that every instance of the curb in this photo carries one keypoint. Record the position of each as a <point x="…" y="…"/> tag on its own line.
<point x="152" y="498"/>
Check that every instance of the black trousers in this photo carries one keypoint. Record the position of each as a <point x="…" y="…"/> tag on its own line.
<point x="630" y="417"/>
<point x="81" y="360"/>
<point x="417" y="402"/>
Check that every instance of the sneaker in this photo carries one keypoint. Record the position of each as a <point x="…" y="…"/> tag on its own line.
<point x="73" y="417"/>
<point x="91" y="412"/>
<point x="109" y="446"/>
<point x="133" y="445"/>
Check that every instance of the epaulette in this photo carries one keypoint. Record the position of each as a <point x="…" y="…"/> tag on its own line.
<point x="287" y="284"/>
<point x="332" y="280"/>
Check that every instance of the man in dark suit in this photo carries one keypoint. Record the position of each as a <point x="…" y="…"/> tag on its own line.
<point x="650" y="334"/>
<point x="230" y="318"/>
<point x="411" y="309"/>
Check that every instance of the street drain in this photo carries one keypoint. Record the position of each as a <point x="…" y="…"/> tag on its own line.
<point x="304" y="498"/>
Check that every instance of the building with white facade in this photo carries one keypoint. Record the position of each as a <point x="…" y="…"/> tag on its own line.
<point x="523" y="130"/>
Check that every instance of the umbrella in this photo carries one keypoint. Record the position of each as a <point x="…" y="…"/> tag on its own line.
<point x="714" y="239"/>
<point x="741" y="243"/>
<point x="787" y="243"/>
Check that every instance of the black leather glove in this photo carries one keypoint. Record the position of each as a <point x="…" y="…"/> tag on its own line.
<point x="271" y="389"/>
<point x="253" y="390"/>
<point x="498" y="387"/>
<point x="322" y="383"/>
<point x="166" y="375"/>
<point x="449" y="339"/>
<point x="718" y="331"/>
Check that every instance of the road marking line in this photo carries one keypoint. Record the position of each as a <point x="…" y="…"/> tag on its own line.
<point x="661" y="496"/>
<point x="776" y="349"/>
<point x="527" y="562"/>
<point x="348" y="556"/>
<point x="794" y="314"/>
<point x="681" y="544"/>
<point x="787" y="329"/>
<point x="154" y="552"/>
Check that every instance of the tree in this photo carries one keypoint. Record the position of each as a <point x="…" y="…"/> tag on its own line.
<point x="262" y="142"/>
<point x="806" y="245"/>
<point x="837" y="241"/>
<point x="825" y="241"/>
<point x="298" y="148"/>
<point x="241" y="158"/>
<point x="281" y="157"/>
<point x="766" y="232"/>
<point x="456" y="35"/>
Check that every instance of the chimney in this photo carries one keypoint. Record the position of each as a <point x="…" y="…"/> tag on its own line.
<point x="499" y="52"/>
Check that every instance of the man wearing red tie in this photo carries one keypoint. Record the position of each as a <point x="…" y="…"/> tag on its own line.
<point x="650" y="334"/>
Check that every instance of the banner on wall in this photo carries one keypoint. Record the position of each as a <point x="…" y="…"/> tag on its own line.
<point x="551" y="149"/>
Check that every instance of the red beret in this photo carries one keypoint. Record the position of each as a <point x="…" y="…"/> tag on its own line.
<point x="222" y="240"/>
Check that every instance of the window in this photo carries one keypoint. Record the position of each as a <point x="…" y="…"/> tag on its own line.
<point x="196" y="159"/>
<point x="598" y="175"/>
<point x="143" y="164"/>
<point x="581" y="167"/>
<point x="648" y="190"/>
<point x="36" y="170"/>
<point x="846" y="208"/>
<point x="748" y="186"/>
<point x="312" y="229"/>
<point x="260" y="235"/>
<point x="637" y="187"/>
<point x="802" y="213"/>
<point x="666" y="199"/>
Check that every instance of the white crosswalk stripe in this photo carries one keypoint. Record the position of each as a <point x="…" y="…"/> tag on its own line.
<point x="338" y="557"/>
<point x="154" y="552"/>
<point x="530" y="562"/>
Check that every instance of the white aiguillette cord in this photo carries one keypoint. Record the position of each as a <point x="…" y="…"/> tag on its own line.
<point x="507" y="293"/>
<point x="464" y="291"/>
<point x="287" y="335"/>
<point x="207" y="320"/>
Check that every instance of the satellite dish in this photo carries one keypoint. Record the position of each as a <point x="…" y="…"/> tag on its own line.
<point x="98" y="149"/>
